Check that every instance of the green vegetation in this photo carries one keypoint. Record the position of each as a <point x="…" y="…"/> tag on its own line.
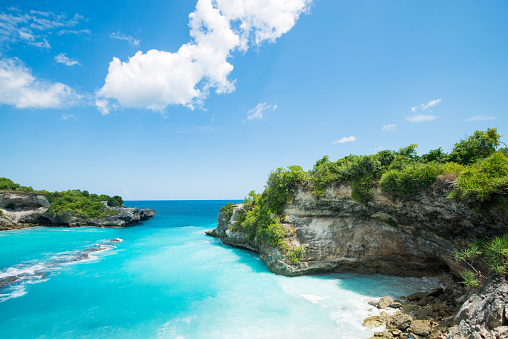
<point x="81" y="204"/>
<point x="480" y="253"/>
<point x="476" y="167"/>
<point x="9" y="185"/>
<point x="70" y="203"/>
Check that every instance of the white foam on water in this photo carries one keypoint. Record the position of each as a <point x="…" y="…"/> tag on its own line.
<point x="16" y="292"/>
<point x="32" y="273"/>
<point x="314" y="298"/>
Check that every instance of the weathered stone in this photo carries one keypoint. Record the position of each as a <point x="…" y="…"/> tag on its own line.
<point x="416" y="296"/>
<point x="400" y="322"/>
<point x="396" y="304"/>
<point x="420" y="327"/>
<point x="385" y="302"/>
<point x="375" y="321"/>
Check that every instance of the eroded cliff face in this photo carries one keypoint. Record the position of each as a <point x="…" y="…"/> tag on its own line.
<point x="398" y="236"/>
<point x="20" y="209"/>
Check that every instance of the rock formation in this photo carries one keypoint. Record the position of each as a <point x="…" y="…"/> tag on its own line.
<point x="413" y="236"/>
<point x="399" y="236"/>
<point x="21" y="209"/>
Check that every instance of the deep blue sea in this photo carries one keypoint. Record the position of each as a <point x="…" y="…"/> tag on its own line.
<point x="167" y="279"/>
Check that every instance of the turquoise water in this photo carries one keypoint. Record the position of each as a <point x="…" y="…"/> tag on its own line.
<point x="166" y="279"/>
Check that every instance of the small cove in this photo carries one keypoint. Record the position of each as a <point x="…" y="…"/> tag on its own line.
<point x="166" y="279"/>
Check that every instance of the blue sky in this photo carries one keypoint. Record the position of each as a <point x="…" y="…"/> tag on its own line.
<point x="202" y="99"/>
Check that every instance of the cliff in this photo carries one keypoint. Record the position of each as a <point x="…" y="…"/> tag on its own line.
<point x="22" y="209"/>
<point x="412" y="236"/>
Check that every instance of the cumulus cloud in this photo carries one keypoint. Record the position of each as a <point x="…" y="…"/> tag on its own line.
<point x="421" y="118"/>
<point x="480" y="118"/>
<point x="258" y="111"/>
<point x="34" y="27"/>
<point x="63" y="59"/>
<point x="344" y="140"/>
<point x="19" y="88"/>
<point x="390" y="128"/>
<point x="156" y="79"/>
<point x="130" y="39"/>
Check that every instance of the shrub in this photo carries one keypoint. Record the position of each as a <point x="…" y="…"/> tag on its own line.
<point x="409" y="180"/>
<point x="484" y="179"/>
<point x="8" y="185"/>
<point x="228" y="210"/>
<point x="494" y="253"/>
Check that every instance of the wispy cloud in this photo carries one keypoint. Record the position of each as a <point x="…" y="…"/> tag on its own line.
<point x="423" y="107"/>
<point x="258" y="111"/>
<point x="33" y="27"/>
<point x="130" y="39"/>
<point x="390" y="128"/>
<point x="480" y="118"/>
<point x="344" y="140"/>
<point x="157" y="79"/>
<point x="378" y="148"/>
<point x="431" y="103"/>
<point x="421" y="118"/>
<point x="63" y="59"/>
<point x="19" y="88"/>
<point x="67" y="116"/>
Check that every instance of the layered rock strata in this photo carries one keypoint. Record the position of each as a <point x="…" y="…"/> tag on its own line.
<point x="398" y="236"/>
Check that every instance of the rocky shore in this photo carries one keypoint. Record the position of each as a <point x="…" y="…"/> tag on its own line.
<point x="21" y="210"/>
<point x="413" y="236"/>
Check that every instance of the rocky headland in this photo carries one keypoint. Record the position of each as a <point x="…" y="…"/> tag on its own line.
<point x="413" y="236"/>
<point x="28" y="209"/>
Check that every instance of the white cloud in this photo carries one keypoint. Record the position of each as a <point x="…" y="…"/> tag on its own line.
<point x="424" y="106"/>
<point x="63" y="59"/>
<point x="378" y="148"/>
<point x="344" y="139"/>
<point x="431" y="103"/>
<point x="390" y="128"/>
<point x="67" y="116"/>
<point x="19" y="88"/>
<point x="34" y="27"/>
<point x="480" y="118"/>
<point x="130" y="39"/>
<point x="421" y="118"/>
<point x="156" y="79"/>
<point x="258" y="111"/>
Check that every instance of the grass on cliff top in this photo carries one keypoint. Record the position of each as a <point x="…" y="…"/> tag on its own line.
<point x="71" y="202"/>
<point x="478" y="167"/>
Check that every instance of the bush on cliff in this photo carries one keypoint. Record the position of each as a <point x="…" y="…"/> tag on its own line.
<point x="485" y="179"/>
<point x="78" y="203"/>
<point x="71" y="202"/>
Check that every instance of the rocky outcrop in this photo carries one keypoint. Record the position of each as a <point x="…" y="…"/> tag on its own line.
<point x="19" y="210"/>
<point x="484" y="314"/>
<point x="397" y="236"/>
<point x="22" y="201"/>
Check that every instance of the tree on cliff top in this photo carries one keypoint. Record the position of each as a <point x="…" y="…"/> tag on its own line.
<point x="478" y="146"/>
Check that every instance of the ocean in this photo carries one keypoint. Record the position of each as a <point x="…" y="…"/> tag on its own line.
<point x="164" y="278"/>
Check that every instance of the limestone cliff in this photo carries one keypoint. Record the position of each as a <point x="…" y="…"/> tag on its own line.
<point x="20" y="209"/>
<point x="401" y="236"/>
